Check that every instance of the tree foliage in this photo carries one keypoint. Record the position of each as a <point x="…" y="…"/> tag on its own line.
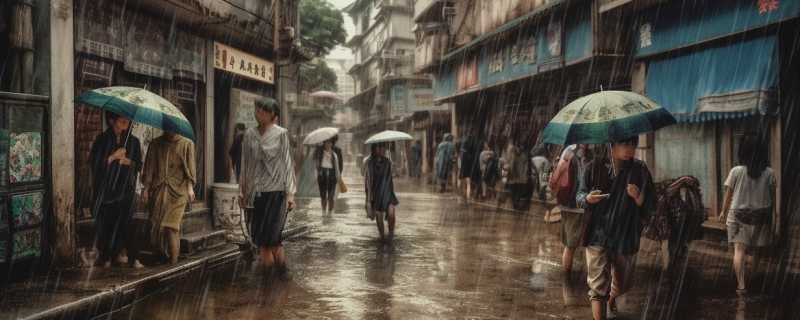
<point x="317" y="76"/>
<point x="321" y="26"/>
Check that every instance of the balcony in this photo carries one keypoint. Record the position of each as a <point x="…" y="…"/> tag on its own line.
<point x="431" y="45"/>
<point x="430" y="10"/>
<point x="384" y="6"/>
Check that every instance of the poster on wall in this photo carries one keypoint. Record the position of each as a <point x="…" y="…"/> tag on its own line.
<point x="25" y="157"/>
<point x="554" y="38"/>
<point x="26" y="244"/>
<point x="243" y="108"/>
<point x="468" y="74"/>
<point x="26" y="209"/>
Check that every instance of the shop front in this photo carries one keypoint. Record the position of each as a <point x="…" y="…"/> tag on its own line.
<point x="719" y="73"/>
<point x="26" y="223"/>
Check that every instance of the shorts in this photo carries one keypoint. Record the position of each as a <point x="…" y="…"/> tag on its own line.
<point x="608" y="272"/>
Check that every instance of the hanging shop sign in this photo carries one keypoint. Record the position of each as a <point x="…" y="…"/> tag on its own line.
<point x="243" y="64"/>
<point x="99" y="29"/>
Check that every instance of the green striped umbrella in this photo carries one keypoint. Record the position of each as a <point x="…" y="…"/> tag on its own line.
<point x="606" y="116"/>
<point x="141" y="106"/>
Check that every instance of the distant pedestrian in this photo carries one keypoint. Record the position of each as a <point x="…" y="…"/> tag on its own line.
<point x="489" y="170"/>
<point x="168" y="178"/>
<point x="329" y="172"/>
<point x="469" y="166"/>
<point x="235" y="152"/>
<point x="518" y="176"/>
<point x="267" y="185"/>
<point x="564" y="185"/>
<point x="116" y="159"/>
<point x="542" y="168"/>
<point x="618" y="193"/>
<point x="749" y="208"/>
<point x="415" y="161"/>
<point x="379" y="186"/>
<point x="445" y="153"/>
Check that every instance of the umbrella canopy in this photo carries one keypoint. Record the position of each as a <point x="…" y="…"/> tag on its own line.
<point x="606" y="116"/>
<point x="389" y="136"/>
<point x="326" y="94"/>
<point x="141" y="106"/>
<point x="320" y="135"/>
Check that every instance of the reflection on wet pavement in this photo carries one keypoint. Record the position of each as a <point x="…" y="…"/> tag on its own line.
<point x="448" y="261"/>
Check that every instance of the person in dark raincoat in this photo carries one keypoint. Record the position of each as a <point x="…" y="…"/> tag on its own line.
<point x="379" y="185"/>
<point x="618" y="194"/>
<point x="444" y="160"/>
<point x="116" y="159"/>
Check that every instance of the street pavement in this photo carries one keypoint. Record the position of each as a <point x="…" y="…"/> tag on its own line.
<point x="451" y="260"/>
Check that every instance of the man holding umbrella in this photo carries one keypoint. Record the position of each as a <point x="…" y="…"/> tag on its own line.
<point x="616" y="190"/>
<point x="115" y="164"/>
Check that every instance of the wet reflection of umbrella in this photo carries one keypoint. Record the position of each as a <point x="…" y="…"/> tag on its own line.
<point x="320" y="135"/>
<point x="140" y="106"/>
<point x="389" y="136"/>
<point x="606" y="116"/>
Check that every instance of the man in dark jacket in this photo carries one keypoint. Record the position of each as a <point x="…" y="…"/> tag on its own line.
<point x="115" y="162"/>
<point x="618" y="193"/>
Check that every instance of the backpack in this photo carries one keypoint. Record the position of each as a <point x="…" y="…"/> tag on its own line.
<point x="562" y="182"/>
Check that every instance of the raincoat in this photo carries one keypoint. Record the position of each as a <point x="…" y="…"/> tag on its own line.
<point x="616" y="222"/>
<point x="169" y="172"/>
<point x="444" y="160"/>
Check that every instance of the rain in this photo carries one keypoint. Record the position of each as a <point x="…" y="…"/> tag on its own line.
<point x="399" y="159"/>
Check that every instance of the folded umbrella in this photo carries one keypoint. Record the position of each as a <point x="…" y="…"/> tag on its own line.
<point x="140" y="106"/>
<point x="389" y="136"/>
<point x="606" y="116"/>
<point x="320" y="135"/>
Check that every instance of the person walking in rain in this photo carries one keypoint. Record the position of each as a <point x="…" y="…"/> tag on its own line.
<point x="489" y="170"/>
<point x="329" y="171"/>
<point x="564" y="184"/>
<point x="619" y="194"/>
<point x="518" y="179"/>
<point x="415" y="161"/>
<point x="749" y="209"/>
<point x="235" y="152"/>
<point x="168" y="178"/>
<point x="379" y="185"/>
<point x="444" y="161"/>
<point x="267" y="185"/>
<point x="115" y="159"/>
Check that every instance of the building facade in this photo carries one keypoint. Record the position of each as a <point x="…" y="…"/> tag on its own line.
<point x="211" y="59"/>
<point x="723" y="69"/>
<point x="387" y="90"/>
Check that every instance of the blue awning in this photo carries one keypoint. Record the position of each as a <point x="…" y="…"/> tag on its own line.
<point x="732" y="81"/>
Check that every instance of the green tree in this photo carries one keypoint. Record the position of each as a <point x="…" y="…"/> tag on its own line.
<point x="316" y="75"/>
<point x="321" y="26"/>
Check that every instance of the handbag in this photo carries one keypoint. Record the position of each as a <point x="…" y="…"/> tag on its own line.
<point x="755" y="217"/>
<point x="342" y="186"/>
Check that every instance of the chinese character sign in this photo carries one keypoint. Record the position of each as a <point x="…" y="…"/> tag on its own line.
<point x="243" y="64"/>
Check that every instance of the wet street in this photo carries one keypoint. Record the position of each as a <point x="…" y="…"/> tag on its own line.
<point x="448" y="261"/>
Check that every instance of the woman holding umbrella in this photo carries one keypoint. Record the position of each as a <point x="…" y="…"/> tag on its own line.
<point x="381" y="199"/>
<point x="616" y="192"/>
<point x="329" y="170"/>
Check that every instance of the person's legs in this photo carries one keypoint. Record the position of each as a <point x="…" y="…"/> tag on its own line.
<point x="173" y="244"/>
<point x="332" y="193"/>
<point x="379" y="221"/>
<point x="566" y="259"/>
<point x="598" y="278"/>
<point x="323" y="191"/>
<point x="391" y="221"/>
<point x="267" y="257"/>
<point x="739" y="254"/>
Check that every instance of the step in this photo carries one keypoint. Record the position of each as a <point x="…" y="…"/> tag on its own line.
<point x="192" y="243"/>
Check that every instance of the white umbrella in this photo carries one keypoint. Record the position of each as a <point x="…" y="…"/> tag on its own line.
<point x="320" y="135"/>
<point x="389" y="136"/>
